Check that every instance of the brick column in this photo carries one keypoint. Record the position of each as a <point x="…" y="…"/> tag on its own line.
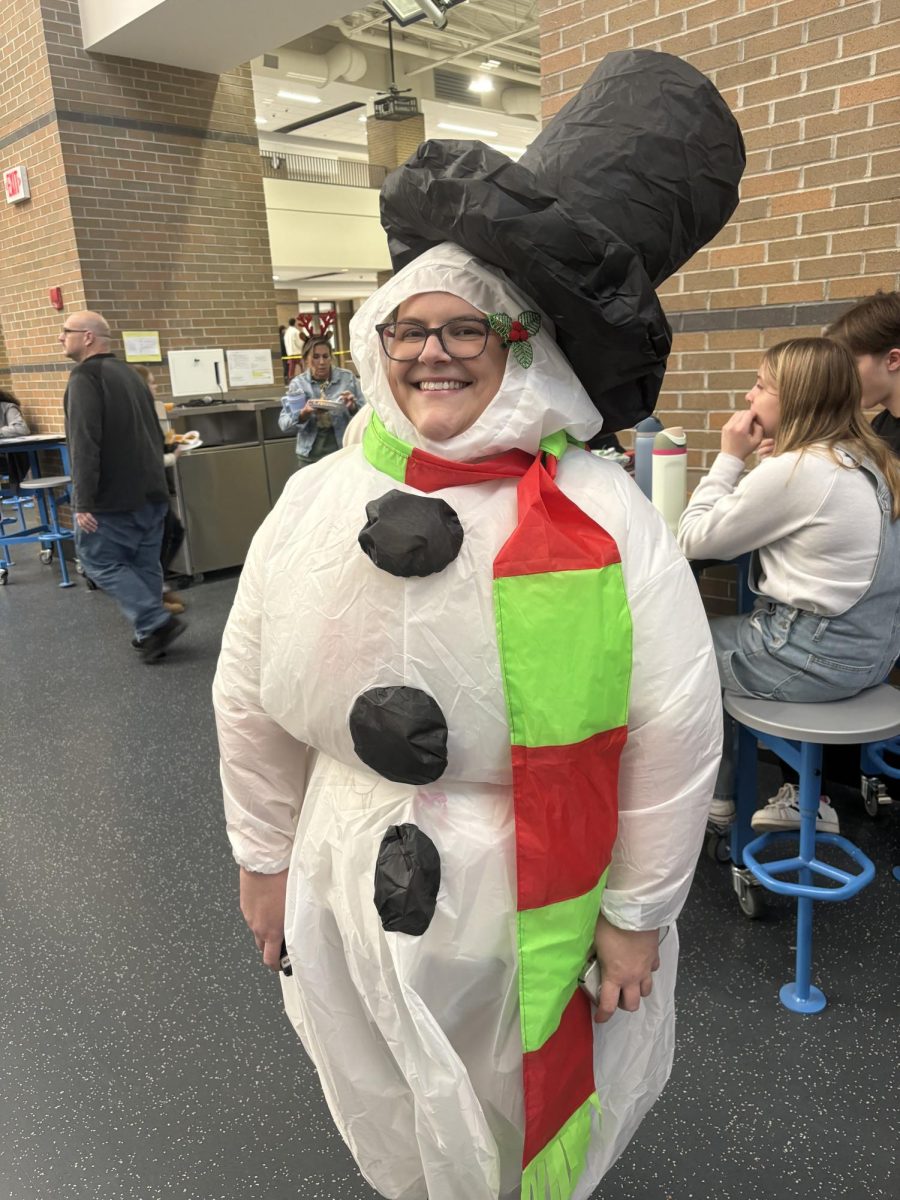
<point x="815" y="93"/>
<point x="5" y="380"/>
<point x="147" y="202"/>
<point x="390" y="145"/>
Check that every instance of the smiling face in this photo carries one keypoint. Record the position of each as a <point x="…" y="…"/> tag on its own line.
<point x="443" y="396"/>
<point x="763" y="401"/>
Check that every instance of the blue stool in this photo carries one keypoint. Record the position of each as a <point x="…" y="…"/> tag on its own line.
<point x="797" y="733"/>
<point x="11" y="499"/>
<point x="873" y="763"/>
<point x="49" y="533"/>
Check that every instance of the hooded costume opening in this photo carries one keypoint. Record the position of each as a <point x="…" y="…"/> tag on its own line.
<point x="467" y="692"/>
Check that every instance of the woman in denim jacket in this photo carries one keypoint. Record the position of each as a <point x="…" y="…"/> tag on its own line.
<point x="821" y="511"/>
<point x="319" y="403"/>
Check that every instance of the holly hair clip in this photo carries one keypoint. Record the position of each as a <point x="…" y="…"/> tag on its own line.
<point x="517" y="333"/>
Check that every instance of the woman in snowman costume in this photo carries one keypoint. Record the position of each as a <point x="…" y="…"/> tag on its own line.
<point x="467" y="703"/>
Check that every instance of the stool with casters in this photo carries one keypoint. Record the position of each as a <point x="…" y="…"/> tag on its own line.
<point x="797" y="733"/>
<point x="49" y="533"/>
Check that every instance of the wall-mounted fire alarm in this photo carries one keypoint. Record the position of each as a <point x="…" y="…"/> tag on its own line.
<point x="56" y="298"/>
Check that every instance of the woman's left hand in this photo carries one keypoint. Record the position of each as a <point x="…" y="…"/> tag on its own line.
<point x="741" y="434"/>
<point x="627" y="961"/>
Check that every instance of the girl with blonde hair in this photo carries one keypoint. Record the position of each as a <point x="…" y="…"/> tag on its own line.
<point x="821" y="514"/>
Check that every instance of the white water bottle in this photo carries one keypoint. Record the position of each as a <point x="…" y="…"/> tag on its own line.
<point x="670" y="474"/>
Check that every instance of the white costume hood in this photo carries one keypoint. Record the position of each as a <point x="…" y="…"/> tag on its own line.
<point x="531" y="402"/>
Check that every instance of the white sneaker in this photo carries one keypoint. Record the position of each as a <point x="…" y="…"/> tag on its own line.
<point x="721" y="813"/>
<point x="783" y="812"/>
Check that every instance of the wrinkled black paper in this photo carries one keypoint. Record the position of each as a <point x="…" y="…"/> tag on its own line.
<point x="401" y="733"/>
<point x="408" y="535"/>
<point x="630" y="179"/>
<point x="407" y="878"/>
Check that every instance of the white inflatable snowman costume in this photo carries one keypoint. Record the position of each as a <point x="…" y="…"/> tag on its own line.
<point x="416" y="1035"/>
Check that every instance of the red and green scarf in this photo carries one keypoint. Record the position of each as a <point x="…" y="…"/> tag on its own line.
<point x="564" y="637"/>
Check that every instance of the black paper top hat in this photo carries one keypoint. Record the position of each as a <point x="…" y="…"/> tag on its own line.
<point x="631" y="178"/>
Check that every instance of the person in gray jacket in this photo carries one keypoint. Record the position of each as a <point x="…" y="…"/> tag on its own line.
<point x="319" y="403"/>
<point x="12" y="423"/>
<point x="119" y="492"/>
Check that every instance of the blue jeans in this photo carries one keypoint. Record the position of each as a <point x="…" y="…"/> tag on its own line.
<point x="781" y="653"/>
<point x="122" y="558"/>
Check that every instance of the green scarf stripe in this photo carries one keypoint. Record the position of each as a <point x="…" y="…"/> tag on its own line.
<point x="554" y="943"/>
<point x="553" y="1174"/>
<point x="560" y="693"/>
<point x="385" y="451"/>
<point x="555" y="444"/>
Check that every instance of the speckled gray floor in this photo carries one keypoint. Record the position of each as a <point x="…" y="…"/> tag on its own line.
<point x="145" y="1054"/>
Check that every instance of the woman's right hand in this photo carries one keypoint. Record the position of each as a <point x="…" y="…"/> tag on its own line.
<point x="765" y="448"/>
<point x="305" y="412"/>
<point x="262" y="906"/>
<point x="741" y="434"/>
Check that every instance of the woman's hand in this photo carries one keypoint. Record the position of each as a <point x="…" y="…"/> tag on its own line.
<point x="765" y="448"/>
<point x="349" y="399"/>
<point x="305" y="412"/>
<point x="262" y="905"/>
<point x="627" y="961"/>
<point x="741" y="434"/>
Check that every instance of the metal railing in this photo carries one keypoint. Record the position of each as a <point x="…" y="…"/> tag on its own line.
<point x="303" y="168"/>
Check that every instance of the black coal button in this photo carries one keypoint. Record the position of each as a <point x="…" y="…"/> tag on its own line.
<point x="407" y="878"/>
<point x="400" y="732"/>
<point x="408" y="535"/>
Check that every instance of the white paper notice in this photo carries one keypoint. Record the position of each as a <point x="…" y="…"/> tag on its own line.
<point x="249" y="368"/>
<point x="141" y="346"/>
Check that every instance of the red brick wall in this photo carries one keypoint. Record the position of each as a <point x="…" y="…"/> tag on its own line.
<point x="815" y="89"/>
<point x="816" y="95"/>
<point x="37" y="240"/>
<point x="147" y="201"/>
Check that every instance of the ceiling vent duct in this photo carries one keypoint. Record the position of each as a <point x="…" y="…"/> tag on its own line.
<point x="521" y="102"/>
<point x="341" y="62"/>
<point x="454" y="87"/>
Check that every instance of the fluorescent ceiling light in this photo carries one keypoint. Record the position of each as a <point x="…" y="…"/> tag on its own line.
<point x="488" y="133"/>
<point x="262" y="120"/>
<point x="301" y="98"/>
<point x="481" y="83"/>
<point x="517" y="150"/>
<point x="490" y="63"/>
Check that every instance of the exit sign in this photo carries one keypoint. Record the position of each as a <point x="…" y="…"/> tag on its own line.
<point x="15" y="184"/>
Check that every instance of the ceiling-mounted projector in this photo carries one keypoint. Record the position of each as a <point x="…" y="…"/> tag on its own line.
<point x="394" y="105"/>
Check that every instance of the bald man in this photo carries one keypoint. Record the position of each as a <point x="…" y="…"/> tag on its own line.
<point x="119" y="492"/>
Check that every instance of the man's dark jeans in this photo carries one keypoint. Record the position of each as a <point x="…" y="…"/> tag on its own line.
<point x="122" y="558"/>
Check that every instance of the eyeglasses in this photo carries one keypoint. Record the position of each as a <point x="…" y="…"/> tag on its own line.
<point x="463" y="337"/>
<point x="65" y="331"/>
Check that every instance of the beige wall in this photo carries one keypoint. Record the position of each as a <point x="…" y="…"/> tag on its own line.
<point x="322" y="226"/>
